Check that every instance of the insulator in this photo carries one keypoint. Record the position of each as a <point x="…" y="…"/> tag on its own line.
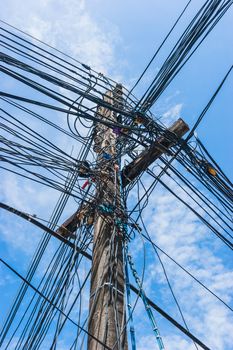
<point x="107" y="156"/>
<point x="212" y="171"/>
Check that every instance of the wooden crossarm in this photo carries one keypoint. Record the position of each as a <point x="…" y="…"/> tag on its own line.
<point x="150" y="154"/>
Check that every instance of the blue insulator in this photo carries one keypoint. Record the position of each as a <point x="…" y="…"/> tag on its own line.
<point x="107" y="156"/>
<point x="106" y="208"/>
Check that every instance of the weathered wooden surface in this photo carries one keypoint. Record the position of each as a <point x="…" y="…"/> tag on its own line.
<point x="149" y="155"/>
<point x="107" y="308"/>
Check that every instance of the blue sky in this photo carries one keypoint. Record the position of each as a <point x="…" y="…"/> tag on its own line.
<point x="118" y="38"/>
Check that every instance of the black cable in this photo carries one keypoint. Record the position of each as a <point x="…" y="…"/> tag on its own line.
<point x="159" y="48"/>
<point x="48" y="301"/>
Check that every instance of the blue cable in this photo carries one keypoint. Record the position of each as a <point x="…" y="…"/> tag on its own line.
<point x="132" y="330"/>
<point x="144" y="299"/>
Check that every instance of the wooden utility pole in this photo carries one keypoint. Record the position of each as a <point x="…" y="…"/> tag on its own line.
<point x="107" y="315"/>
<point x="107" y="308"/>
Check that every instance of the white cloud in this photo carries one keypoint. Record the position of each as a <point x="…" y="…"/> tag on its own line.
<point x="173" y="113"/>
<point x="69" y="27"/>
<point x="173" y="342"/>
<point x="25" y="195"/>
<point x="22" y="237"/>
<point x="178" y="232"/>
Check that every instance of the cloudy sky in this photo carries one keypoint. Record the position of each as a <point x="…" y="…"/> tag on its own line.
<point x="118" y="38"/>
